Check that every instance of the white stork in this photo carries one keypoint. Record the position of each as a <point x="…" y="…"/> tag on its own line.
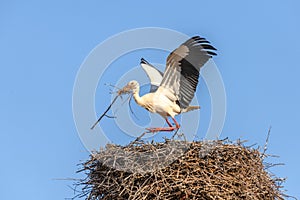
<point x="172" y="91"/>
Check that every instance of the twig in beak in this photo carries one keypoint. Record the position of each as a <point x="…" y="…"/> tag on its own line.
<point x="104" y="114"/>
<point x="113" y="86"/>
<point x="124" y="90"/>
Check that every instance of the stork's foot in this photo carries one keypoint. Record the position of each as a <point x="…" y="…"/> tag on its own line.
<point x="153" y="130"/>
<point x="170" y="128"/>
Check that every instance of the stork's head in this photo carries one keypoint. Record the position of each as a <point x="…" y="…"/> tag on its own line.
<point x="133" y="86"/>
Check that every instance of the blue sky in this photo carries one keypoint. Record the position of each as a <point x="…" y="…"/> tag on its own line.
<point x="44" y="44"/>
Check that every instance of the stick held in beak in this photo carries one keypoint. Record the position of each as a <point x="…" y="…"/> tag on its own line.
<point x="125" y="90"/>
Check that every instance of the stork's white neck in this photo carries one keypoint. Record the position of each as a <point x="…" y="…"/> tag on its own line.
<point x="137" y="97"/>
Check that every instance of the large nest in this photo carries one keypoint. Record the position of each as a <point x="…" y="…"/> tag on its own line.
<point x="179" y="170"/>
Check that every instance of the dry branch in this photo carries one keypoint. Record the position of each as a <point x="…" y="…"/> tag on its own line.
<point x="124" y="90"/>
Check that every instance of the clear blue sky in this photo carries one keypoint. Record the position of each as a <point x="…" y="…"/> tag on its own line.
<point x="42" y="46"/>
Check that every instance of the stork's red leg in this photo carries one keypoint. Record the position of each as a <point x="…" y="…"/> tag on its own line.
<point x="170" y="128"/>
<point x="170" y="125"/>
<point x="176" y="123"/>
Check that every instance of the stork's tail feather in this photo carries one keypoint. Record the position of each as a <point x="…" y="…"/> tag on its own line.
<point x="190" y="108"/>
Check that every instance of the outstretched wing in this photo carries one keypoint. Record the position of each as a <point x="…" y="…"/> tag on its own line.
<point x="183" y="66"/>
<point x="153" y="74"/>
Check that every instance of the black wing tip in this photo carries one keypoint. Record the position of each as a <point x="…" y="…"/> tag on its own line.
<point x="204" y="44"/>
<point x="143" y="61"/>
<point x="208" y="46"/>
<point x="197" y="37"/>
<point x="211" y="53"/>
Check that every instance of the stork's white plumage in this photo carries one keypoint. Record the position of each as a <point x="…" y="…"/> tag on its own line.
<point x="172" y="91"/>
